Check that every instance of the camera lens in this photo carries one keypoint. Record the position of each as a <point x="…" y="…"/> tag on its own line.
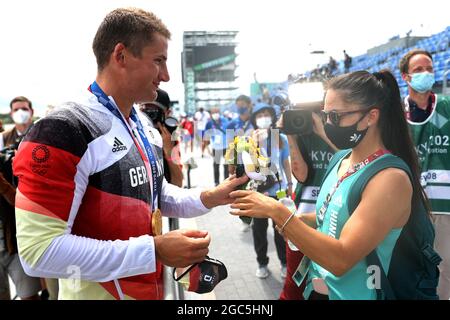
<point x="299" y="121"/>
<point x="171" y="124"/>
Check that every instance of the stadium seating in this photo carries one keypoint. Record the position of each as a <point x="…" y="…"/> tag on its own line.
<point x="438" y="45"/>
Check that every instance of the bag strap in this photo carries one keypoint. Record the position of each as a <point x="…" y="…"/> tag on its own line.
<point x="373" y="260"/>
<point x="207" y="258"/>
<point x="387" y="161"/>
<point x="184" y="273"/>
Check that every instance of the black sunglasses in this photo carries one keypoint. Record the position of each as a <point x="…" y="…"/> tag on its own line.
<point x="335" y="116"/>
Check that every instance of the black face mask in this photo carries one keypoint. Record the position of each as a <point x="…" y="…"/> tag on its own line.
<point x="345" y="137"/>
<point x="203" y="276"/>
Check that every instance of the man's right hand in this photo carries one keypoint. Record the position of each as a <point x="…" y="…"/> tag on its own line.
<point x="182" y="248"/>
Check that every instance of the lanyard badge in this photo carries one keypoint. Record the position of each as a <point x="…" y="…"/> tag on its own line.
<point x="302" y="271"/>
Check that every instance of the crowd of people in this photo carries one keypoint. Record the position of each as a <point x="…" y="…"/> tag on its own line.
<point x="83" y="190"/>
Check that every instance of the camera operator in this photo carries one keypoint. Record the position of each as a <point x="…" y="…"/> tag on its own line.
<point x="27" y="287"/>
<point x="159" y="112"/>
<point x="310" y="152"/>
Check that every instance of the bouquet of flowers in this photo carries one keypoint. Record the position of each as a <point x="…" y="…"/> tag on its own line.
<point x="244" y="154"/>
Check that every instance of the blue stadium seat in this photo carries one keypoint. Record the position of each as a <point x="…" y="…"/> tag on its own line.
<point x="438" y="45"/>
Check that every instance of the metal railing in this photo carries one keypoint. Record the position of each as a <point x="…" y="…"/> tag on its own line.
<point x="172" y="289"/>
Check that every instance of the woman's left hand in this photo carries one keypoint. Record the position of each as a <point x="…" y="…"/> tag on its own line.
<point x="253" y="204"/>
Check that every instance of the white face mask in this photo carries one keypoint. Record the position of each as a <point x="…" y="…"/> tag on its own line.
<point x="264" y="122"/>
<point x="215" y="116"/>
<point x="21" y="116"/>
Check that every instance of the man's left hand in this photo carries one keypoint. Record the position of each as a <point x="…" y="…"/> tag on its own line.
<point x="220" y="195"/>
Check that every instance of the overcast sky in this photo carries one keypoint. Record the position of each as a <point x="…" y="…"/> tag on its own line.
<point x="46" y="50"/>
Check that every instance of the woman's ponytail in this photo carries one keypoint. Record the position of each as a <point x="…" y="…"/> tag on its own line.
<point x="395" y="132"/>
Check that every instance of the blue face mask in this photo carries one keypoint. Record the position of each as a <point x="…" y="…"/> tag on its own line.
<point x="422" y="82"/>
<point x="242" y="111"/>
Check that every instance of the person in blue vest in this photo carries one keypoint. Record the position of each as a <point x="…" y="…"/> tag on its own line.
<point x="362" y="115"/>
<point x="273" y="145"/>
<point x="215" y="136"/>
<point x="241" y="124"/>
<point x="239" y="127"/>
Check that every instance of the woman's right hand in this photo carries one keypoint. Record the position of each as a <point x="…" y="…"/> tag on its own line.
<point x="318" y="127"/>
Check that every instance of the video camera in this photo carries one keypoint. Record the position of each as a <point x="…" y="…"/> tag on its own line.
<point x="155" y="111"/>
<point x="302" y="99"/>
<point x="6" y="155"/>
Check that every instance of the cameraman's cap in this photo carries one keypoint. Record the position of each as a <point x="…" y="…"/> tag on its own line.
<point x="163" y="99"/>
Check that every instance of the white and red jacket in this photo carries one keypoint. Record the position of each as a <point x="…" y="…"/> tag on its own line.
<point x="83" y="204"/>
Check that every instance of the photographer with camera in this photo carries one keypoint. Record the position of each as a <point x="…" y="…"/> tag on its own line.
<point x="310" y="152"/>
<point x="275" y="146"/>
<point x="159" y="113"/>
<point x="27" y="287"/>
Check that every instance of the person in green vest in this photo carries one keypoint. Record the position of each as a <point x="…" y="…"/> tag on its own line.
<point x="362" y="113"/>
<point x="428" y="117"/>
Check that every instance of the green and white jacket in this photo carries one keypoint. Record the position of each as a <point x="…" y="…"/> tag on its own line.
<point x="432" y="141"/>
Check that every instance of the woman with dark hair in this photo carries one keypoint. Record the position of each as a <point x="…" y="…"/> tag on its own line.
<point x="362" y="113"/>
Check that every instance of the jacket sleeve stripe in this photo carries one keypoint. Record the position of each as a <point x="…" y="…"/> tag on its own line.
<point x="35" y="232"/>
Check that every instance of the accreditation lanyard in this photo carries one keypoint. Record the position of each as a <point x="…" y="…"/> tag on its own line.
<point x="106" y="102"/>
<point x="353" y="169"/>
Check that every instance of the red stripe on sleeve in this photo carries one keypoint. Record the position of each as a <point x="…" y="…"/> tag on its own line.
<point x="26" y="204"/>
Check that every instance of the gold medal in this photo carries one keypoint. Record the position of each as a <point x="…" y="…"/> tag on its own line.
<point x="157" y="223"/>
